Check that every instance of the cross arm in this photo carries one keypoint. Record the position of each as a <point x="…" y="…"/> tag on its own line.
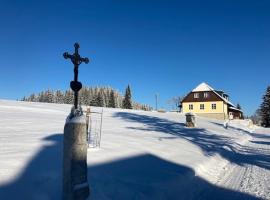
<point x="85" y="60"/>
<point x="67" y="55"/>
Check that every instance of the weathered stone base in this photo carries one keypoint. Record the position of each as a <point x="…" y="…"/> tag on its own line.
<point x="220" y="116"/>
<point x="75" y="184"/>
<point x="190" y="124"/>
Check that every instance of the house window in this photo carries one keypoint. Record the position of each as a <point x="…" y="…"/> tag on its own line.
<point x="205" y="95"/>
<point x="196" y="95"/>
<point x="201" y="106"/>
<point x="190" y="106"/>
<point x="214" y="106"/>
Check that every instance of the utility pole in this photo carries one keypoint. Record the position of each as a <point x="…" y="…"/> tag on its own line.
<point x="156" y="97"/>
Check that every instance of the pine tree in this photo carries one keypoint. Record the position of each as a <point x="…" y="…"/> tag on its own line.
<point x="94" y="100"/>
<point x="127" y="99"/>
<point x="49" y="96"/>
<point x="42" y="97"/>
<point x="238" y="106"/>
<point x="265" y="108"/>
<point x="68" y="98"/>
<point x="256" y="117"/>
<point x="24" y="99"/>
<point x="106" y="93"/>
<point x="31" y="98"/>
<point x="59" y="97"/>
<point x="112" y="99"/>
<point x="83" y="96"/>
<point x="100" y="99"/>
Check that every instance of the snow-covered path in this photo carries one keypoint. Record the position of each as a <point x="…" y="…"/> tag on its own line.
<point x="143" y="155"/>
<point x="253" y="178"/>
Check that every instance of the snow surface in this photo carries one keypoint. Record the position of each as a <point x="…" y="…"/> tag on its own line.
<point x="203" y="87"/>
<point x="143" y="155"/>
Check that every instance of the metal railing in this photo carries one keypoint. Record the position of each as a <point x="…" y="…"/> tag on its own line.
<point x="94" y="128"/>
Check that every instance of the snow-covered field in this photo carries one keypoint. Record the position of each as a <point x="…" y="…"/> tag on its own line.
<point x="143" y="155"/>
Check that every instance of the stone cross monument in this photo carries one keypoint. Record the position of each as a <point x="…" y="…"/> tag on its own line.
<point x="75" y="183"/>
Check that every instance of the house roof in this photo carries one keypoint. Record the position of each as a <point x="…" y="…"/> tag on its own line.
<point x="203" y="87"/>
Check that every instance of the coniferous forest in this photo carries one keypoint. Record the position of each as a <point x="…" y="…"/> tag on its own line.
<point x="90" y="96"/>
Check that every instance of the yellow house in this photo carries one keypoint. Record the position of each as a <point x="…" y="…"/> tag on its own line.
<point x="207" y="102"/>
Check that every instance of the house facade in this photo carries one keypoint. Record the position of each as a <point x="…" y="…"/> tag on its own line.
<point x="208" y="102"/>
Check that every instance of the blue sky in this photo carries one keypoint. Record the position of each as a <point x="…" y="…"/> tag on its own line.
<point x="165" y="47"/>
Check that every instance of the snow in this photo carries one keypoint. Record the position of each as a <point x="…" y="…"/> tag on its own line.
<point x="143" y="155"/>
<point x="233" y="108"/>
<point x="203" y="87"/>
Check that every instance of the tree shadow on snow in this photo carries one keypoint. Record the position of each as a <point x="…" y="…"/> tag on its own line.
<point x="139" y="177"/>
<point x="208" y="142"/>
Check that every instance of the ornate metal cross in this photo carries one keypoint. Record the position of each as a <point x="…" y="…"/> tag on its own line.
<point x="76" y="60"/>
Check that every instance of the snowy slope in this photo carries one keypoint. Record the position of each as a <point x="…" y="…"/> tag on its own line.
<point x="143" y="155"/>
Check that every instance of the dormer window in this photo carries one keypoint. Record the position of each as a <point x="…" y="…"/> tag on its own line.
<point x="205" y="95"/>
<point x="196" y="95"/>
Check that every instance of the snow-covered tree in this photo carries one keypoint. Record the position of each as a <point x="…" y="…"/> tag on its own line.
<point x="127" y="103"/>
<point x="265" y="108"/>
<point x="256" y="117"/>
<point x="100" y="99"/>
<point x="24" y="99"/>
<point x="49" y="96"/>
<point x="112" y="99"/>
<point x="59" y="97"/>
<point x="68" y="97"/>
<point x="238" y="106"/>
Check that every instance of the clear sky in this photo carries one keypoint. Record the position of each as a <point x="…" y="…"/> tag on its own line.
<point x="166" y="47"/>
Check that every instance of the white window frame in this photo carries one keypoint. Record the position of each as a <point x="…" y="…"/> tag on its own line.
<point x="202" y="106"/>
<point x="196" y="95"/>
<point x="214" y="106"/>
<point x="205" y="95"/>
<point x="190" y="106"/>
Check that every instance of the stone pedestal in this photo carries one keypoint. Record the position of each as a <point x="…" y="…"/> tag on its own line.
<point x="75" y="184"/>
<point x="190" y="120"/>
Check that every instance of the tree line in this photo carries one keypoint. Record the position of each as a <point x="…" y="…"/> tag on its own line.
<point x="90" y="96"/>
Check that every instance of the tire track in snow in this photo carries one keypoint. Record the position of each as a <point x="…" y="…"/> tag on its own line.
<point x="248" y="178"/>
